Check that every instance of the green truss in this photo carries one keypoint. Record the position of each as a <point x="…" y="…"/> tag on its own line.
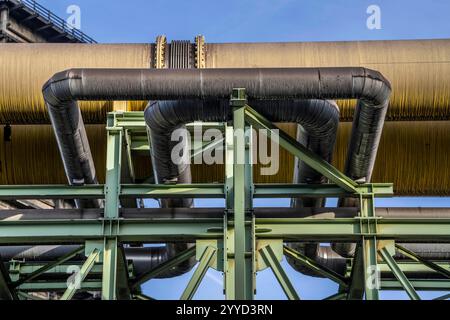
<point x="238" y="244"/>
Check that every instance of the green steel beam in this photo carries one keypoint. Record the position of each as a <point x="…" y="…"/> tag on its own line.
<point x="337" y="296"/>
<point x="153" y="230"/>
<point x="242" y="186"/>
<point x="12" y="192"/>
<point x="191" y="190"/>
<point x="87" y="266"/>
<point x="109" y="274"/>
<point x="199" y="273"/>
<point x="369" y="247"/>
<point x="351" y="229"/>
<point x="175" y="190"/>
<point x="228" y="226"/>
<point x="418" y="284"/>
<point x="112" y="205"/>
<point x="320" y="190"/>
<point x="26" y="268"/>
<point x="141" y="296"/>
<point x="271" y="260"/>
<point x="58" y="286"/>
<point x="414" y="267"/>
<point x="48" y="267"/>
<point x="399" y="274"/>
<point x="314" y="266"/>
<point x="172" y="262"/>
<point x="300" y="151"/>
<point x="433" y="266"/>
<point x="126" y="230"/>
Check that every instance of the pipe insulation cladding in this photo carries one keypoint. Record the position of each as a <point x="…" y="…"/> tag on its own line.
<point x="419" y="71"/>
<point x="65" y="88"/>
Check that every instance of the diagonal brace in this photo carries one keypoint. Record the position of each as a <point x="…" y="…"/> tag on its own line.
<point x="399" y="274"/>
<point x="49" y="266"/>
<point x="85" y="269"/>
<point x="199" y="273"/>
<point x="300" y="151"/>
<point x="271" y="260"/>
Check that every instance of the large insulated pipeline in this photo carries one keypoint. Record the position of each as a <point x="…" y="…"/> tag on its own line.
<point x="63" y="90"/>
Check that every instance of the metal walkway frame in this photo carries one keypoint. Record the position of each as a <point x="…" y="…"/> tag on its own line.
<point x="238" y="244"/>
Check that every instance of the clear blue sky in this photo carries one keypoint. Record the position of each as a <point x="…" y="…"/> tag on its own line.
<point x="255" y="21"/>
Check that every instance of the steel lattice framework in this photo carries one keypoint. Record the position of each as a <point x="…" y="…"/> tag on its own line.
<point x="238" y="243"/>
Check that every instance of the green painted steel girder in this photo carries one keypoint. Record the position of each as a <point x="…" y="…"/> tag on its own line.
<point x="126" y="230"/>
<point x="199" y="273"/>
<point x="306" y="229"/>
<point x="41" y="286"/>
<point x="27" y="268"/>
<point x="85" y="269"/>
<point x="36" y="273"/>
<point x="414" y="267"/>
<point x="175" y="190"/>
<point x="401" y="278"/>
<point x="97" y="191"/>
<point x="351" y="229"/>
<point x="418" y="284"/>
<point x="300" y="151"/>
<point x="320" y="190"/>
<point x="337" y="296"/>
<point x="271" y="260"/>
<point x="11" y="192"/>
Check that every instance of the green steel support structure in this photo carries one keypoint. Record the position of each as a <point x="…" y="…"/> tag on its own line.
<point x="237" y="244"/>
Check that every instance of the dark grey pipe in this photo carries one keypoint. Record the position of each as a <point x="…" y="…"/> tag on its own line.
<point x="62" y="91"/>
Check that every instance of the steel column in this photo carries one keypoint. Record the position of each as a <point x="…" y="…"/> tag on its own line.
<point x="112" y="192"/>
<point x="242" y="204"/>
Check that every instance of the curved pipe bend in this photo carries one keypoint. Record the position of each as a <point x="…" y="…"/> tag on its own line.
<point x="63" y="90"/>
